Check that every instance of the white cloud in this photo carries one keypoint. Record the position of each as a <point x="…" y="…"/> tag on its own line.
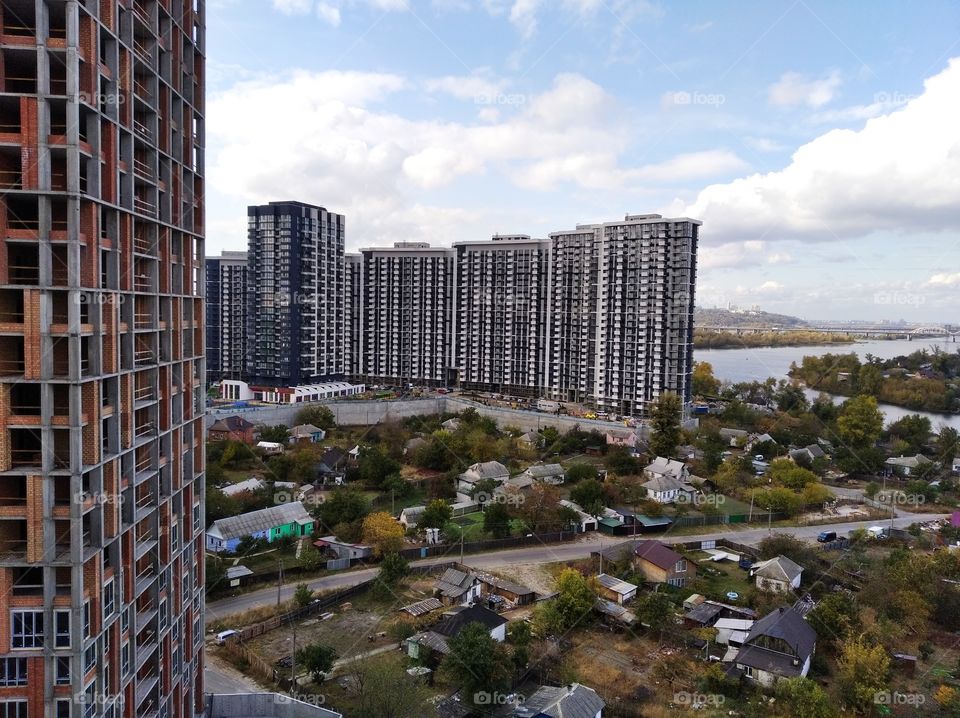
<point x="764" y="144"/>
<point x="474" y="87"/>
<point x="700" y="27"/>
<point x="899" y="173"/>
<point x="944" y="280"/>
<point x="794" y="89"/>
<point x="524" y="14"/>
<point x="732" y="254"/>
<point x="330" y="14"/>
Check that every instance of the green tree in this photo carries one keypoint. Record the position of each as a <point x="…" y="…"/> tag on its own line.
<point x="215" y="573"/>
<point x="317" y="659"/>
<point x="913" y="430"/>
<point x="278" y="433"/>
<point x="478" y="664"/>
<point x="665" y="425"/>
<point x="380" y="695"/>
<point x="219" y="505"/>
<point x="790" y="398"/>
<point x="496" y="519"/>
<point x="436" y="515"/>
<point x="393" y="569"/>
<point x="310" y="558"/>
<point x="656" y="610"/>
<point x="573" y="604"/>
<point x="520" y="638"/>
<point x="579" y="471"/>
<point x="803" y="698"/>
<point x="589" y="495"/>
<point x="835" y="618"/>
<point x="862" y="672"/>
<point x="860" y="423"/>
<point x="704" y="382"/>
<point x="870" y="380"/>
<point x="374" y="466"/>
<point x="345" y="505"/>
<point x="871" y="489"/>
<point x="319" y="415"/>
<point x="302" y="595"/>
<point x="948" y="444"/>
<point x="619" y="461"/>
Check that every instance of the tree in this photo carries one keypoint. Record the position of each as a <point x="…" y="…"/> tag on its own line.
<point x="382" y="532"/>
<point x="436" y="515"/>
<point x="215" y="573"/>
<point x="791" y="398"/>
<point x="860" y="423"/>
<point x="785" y="472"/>
<point x="302" y="595"/>
<point x="835" y="617"/>
<point x="393" y="568"/>
<point x="619" y="462"/>
<point x="380" y="695"/>
<point x="580" y="471"/>
<point x="478" y="664"/>
<point x="870" y="380"/>
<point x="704" y="382"/>
<point x="317" y="659"/>
<point x="786" y="545"/>
<point x="520" y="638"/>
<point x="803" y="698"/>
<point x="310" y="558"/>
<point x="656" y="610"/>
<point x="319" y="415"/>
<point x="589" y="495"/>
<point x="539" y="508"/>
<point x="573" y="604"/>
<point x="344" y="506"/>
<point x="375" y="466"/>
<point x="913" y="430"/>
<point x="948" y="444"/>
<point x="862" y="673"/>
<point x="219" y="505"/>
<point x="665" y="424"/>
<point x="871" y="489"/>
<point x="278" y="434"/>
<point x="496" y="519"/>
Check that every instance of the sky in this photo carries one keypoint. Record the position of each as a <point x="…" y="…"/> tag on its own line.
<point x="819" y="142"/>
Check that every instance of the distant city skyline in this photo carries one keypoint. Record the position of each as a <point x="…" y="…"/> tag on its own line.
<point x="392" y="114"/>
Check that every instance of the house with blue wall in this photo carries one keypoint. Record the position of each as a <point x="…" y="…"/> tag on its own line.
<point x="290" y="519"/>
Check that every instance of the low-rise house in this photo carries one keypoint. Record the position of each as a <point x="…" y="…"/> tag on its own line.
<point x="621" y="437"/>
<point x="706" y="613"/>
<point x="547" y="473"/>
<point x="756" y="439"/>
<point x="413" y="445"/>
<point x="907" y="465"/>
<point x="733" y="631"/>
<point x="271" y="523"/>
<point x="332" y="464"/>
<point x="671" y="468"/>
<point x="306" y="434"/>
<point x="661" y="564"/>
<point x="807" y="455"/>
<point x="516" y="593"/>
<point x="734" y="437"/>
<point x="779" y="645"/>
<point x="531" y="439"/>
<point x="778" y="574"/>
<point x="234" y="428"/>
<point x="615" y="611"/>
<point x="955" y="468"/>
<point x="572" y="701"/>
<point x="585" y="520"/>
<point x="666" y="489"/>
<point x="247" y="485"/>
<point x="343" y="549"/>
<point x="270" y="448"/>
<point x="493" y="470"/>
<point x="457" y="587"/>
<point x="613" y="589"/>
<point x="411" y="515"/>
<point x="435" y="640"/>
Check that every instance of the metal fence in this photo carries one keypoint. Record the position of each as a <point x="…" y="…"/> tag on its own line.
<point x="488" y="545"/>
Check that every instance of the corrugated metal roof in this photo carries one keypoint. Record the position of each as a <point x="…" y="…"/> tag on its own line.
<point x="421" y="607"/>
<point x="233" y="527"/>
<point x="615" y="584"/>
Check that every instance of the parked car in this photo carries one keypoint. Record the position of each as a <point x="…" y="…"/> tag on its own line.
<point x="827" y="536"/>
<point x="224" y="636"/>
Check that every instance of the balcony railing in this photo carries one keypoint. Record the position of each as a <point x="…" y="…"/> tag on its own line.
<point x="142" y="130"/>
<point x="11" y="179"/>
<point x="144" y="206"/>
<point x="143" y="357"/>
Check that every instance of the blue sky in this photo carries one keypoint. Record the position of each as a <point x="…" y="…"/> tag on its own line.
<point x="818" y="141"/>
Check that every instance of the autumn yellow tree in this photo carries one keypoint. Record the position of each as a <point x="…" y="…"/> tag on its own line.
<point x="382" y="532"/>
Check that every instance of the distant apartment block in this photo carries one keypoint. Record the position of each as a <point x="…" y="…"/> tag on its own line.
<point x="226" y="332"/>
<point x="353" y="320"/>
<point x="102" y="358"/>
<point x="296" y="294"/>
<point x="406" y="314"/>
<point x="501" y="311"/>
<point x="621" y="302"/>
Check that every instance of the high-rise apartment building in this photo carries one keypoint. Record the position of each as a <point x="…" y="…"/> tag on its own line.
<point x="501" y="311"/>
<point x="621" y="303"/>
<point x="296" y="294"/>
<point x="406" y="314"/>
<point x="353" y="324"/>
<point x="226" y="312"/>
<point x="101" y="358"/>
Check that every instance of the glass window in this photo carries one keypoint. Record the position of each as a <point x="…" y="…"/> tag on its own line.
<point x="61" y="623"/>
<point x="13" y="672"/>
<point x="27" y="630"/>
<point x="63" y="671"/>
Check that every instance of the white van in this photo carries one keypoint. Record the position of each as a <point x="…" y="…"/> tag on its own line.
<point x="224" y="636"/>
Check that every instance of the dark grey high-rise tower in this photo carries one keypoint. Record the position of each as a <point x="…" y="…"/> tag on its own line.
<point x="226" y="311"/>
<point x="102" y="358"/>
<point x="296" y="294"/>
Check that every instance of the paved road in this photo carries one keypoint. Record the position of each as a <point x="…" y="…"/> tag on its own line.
<point x="546" y="553"/>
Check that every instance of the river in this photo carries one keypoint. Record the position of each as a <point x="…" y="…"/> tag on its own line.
<point x="741" y="365"/>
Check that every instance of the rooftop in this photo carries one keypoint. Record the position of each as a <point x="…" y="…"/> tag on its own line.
<point x="233" y="527"/>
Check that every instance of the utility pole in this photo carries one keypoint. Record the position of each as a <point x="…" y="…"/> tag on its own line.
<point x="293" y="663"/>
<point x="279" y="580"/>
<point x="461" y="548"/>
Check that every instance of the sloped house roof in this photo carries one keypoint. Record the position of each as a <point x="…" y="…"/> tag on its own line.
<point x="454" y="583"/>
<point x="253" y="522"/>
<point x="572" y="701"/>
<point x="779" y="643"/>
<point x="657" y="553"/>
<point x="779" y="568"/>
<point x="666" y="467"/>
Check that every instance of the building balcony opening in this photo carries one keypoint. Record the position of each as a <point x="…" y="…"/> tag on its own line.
<point x="61" y="448"/>
<point x="27" y="581"/>
<point x="57" y="14"/>
<point x="58" y="75"/>
<point x="58" y="116"/>
<point x="61" y="491"/>
<point x="19" y="18"/>
<point x="11" y="176"/>
<point x="13" y="491"/>
<point x="26" y="449"/>
<point x="11" y="355"/>
<point x="22" y="213"/>
<point x="11" y="306"/>
<point x="24" y="263"/>
<point x="25" y="399"/>
<point x="20" y="71"/>
<point x="58" y="215"/>
<point x="10" y="115"/>
<point x="13" y="538"/>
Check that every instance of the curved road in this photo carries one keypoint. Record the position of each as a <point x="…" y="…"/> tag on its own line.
<point x="546" y="553"/>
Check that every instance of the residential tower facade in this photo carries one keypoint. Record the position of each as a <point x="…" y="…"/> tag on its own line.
<point x="226" y="313"/>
